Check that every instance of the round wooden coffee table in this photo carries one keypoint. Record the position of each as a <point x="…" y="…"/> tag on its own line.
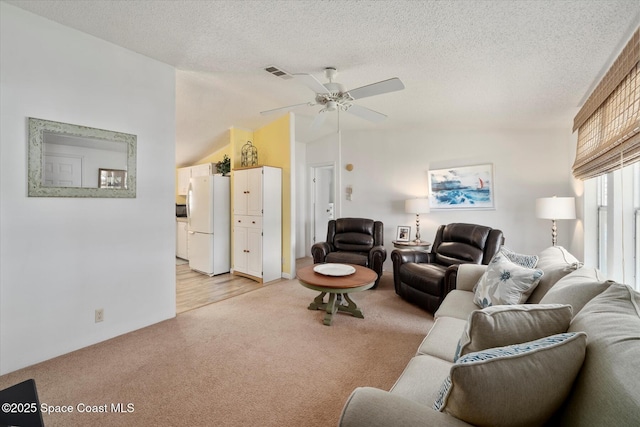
<point x="336" y="286"/>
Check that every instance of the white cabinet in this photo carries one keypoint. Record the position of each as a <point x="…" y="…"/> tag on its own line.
<point x="203" y="169"/>
<point x="257" y="223"/>
<point x="248" y="192"/>
<point x="248" y="251"/>
<point x="185" y="174"/>
<point x="181" y="239"/>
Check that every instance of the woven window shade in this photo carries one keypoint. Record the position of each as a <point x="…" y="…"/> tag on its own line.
<point x="609" y="122"/>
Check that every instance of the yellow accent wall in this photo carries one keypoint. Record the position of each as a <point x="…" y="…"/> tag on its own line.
<point x="238" y="138"/>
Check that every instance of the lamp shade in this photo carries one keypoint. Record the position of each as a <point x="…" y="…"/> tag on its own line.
<point x="556" y="208"/>
<point x="416" y="206"/>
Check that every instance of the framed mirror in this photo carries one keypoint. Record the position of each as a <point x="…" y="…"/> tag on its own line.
<point x="67" y="160"/>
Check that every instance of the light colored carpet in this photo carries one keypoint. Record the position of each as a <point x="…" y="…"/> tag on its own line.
<point x="258" y="359"/>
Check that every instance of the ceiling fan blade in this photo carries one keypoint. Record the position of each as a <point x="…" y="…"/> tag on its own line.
<point x="289" y="107"/>
<point x="379" y="88"/>
<point x="366" y="113"/>
<point x="319" y="119"/>
<point x="311" y="82"/>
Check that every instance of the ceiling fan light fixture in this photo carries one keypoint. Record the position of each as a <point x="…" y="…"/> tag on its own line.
<point x="332" y="96"/>
<point x="330" y="73"/>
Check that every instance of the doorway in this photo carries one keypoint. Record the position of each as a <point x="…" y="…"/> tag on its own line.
<point x="62" y="170"/>
<point x="323" y="203"/>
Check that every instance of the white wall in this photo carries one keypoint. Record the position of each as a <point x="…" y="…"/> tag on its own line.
<point x="63" y="258"/>
<point x="390" y="167"/>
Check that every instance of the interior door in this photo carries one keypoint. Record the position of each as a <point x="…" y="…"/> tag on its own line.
<point x="63" y="171"/>
<point x="324" y="201"/>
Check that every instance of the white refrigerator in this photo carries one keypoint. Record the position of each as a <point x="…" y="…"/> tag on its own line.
<point x="209" y="224"/>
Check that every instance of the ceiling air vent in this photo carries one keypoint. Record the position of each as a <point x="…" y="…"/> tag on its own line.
<point x="278" y="72"/>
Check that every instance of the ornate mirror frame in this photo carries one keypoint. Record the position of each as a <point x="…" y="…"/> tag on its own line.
<point x="37" y="130"/>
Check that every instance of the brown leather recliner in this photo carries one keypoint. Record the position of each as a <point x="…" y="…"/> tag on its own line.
<point x="353" y="241"/>
<point x="426" y="278"/>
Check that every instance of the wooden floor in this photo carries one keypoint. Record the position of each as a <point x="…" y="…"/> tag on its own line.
<point x="194" y="289"/>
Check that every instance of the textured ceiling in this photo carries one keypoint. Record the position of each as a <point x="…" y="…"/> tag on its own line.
<point x="465" y="64"/>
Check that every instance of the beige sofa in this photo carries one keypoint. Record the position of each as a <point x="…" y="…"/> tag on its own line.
<point x="587" y="373"/>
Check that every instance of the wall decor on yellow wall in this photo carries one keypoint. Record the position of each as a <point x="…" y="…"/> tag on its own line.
<point x="249" y="155"/>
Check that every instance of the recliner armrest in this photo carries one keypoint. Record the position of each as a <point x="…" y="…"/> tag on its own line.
<point x="371" y="407"/>
<point x="377" y="256"/>
<point x="450" y="278"/>
<point x="319" y="251"/>
<point x="401" y="256"/>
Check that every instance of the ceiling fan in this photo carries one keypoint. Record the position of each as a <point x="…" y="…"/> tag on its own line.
<point x="332" y="96"/>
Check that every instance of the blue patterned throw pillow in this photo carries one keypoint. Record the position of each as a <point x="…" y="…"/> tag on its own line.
<point x="501" y="325"/>
<point x="505" y="282"/>
<point x="529" y="261"/>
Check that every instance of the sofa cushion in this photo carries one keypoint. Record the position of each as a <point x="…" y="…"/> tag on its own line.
<point x="577" y="288"/>
<point x="502" y="325"/>
<point x="442" y="339"/>
<point x="556" y="262"/>
<point x="505" y="282"/>
<point x="529" y="261"/>
<point x="420" y="381"/>
<point x="458" y="304"/>
<point x="522" y="384"/>
<point x="607" y="391"/>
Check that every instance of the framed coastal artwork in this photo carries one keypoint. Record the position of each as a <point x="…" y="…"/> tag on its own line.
<point x="462" y="187"/>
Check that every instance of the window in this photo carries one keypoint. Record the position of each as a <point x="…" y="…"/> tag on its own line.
<point x="618" y="224"/>
<point x="607" y="157"/>
<point x="636" y="231"/>
<point x="601" y="198"/>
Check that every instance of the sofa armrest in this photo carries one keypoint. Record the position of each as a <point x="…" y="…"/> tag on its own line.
<point x="371" y="407"/>
<point x="468" y="275"/>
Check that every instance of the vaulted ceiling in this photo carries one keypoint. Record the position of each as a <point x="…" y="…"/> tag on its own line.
<point x="465" y="64"/>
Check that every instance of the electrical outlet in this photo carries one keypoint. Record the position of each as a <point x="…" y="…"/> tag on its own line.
<point x="99" y="315"/>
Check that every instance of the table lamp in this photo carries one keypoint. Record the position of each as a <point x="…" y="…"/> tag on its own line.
<point x="554" y="208"/>
<point x="417" y="206"/>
